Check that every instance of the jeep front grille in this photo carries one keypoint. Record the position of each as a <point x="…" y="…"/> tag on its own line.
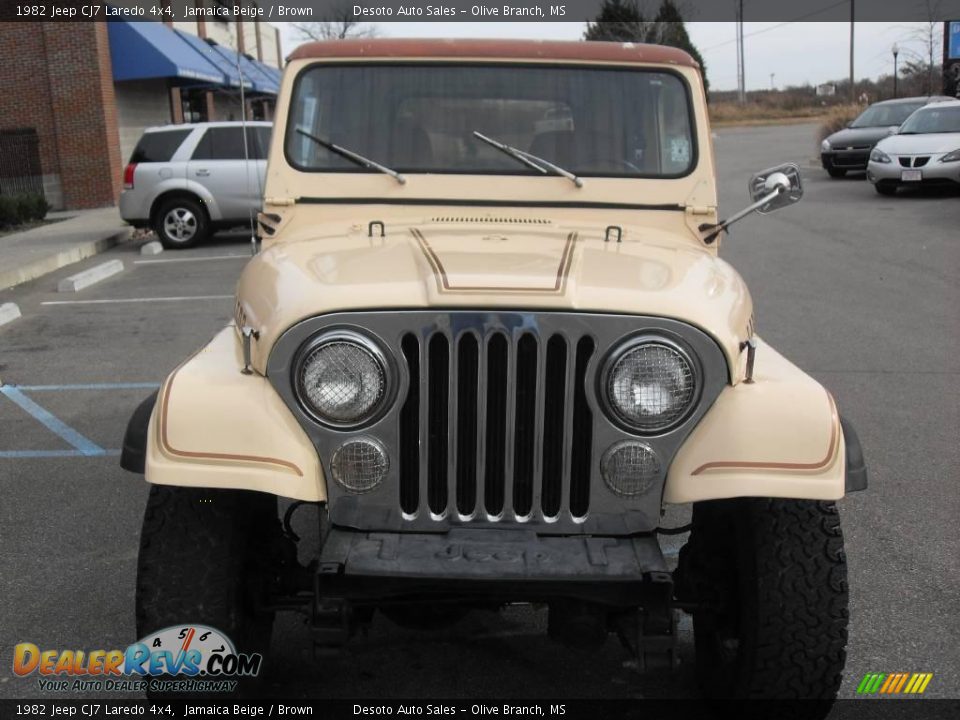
<point x="494" y="427"/>
<point x="496" y="419"/>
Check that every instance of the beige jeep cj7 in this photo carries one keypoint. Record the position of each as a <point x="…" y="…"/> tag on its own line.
<point x="488" y="337"/>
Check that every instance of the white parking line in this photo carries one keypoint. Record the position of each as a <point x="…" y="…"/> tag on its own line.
<point x="192" y="259"/>
<point x="137" y="300"/>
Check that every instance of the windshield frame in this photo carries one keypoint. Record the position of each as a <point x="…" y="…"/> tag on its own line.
<point x="692" y="167"/>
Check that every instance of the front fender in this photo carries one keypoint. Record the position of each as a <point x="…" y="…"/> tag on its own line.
<point x="779" y="436"/>
<point x="212" y="426"/>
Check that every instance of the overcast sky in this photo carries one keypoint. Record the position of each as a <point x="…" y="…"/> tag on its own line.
<point x="796" y="53"/>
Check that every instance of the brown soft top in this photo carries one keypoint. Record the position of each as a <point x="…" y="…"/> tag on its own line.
<point x="499" y="49"/>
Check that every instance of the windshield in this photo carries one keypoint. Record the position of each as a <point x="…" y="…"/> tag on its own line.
<point x="934" y="119"/>
<point x="885" y="115"/>
<point x="422" y="118"/>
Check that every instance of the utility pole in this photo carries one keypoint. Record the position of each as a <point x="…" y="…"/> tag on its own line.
<point x="741" y="69"/>
<point x="772" y="86"/>
<point x="853" y="89"/>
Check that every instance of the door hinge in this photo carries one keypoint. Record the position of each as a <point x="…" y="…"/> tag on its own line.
<point x="700" y="210"/>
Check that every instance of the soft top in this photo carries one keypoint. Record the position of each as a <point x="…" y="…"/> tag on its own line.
<point x="500" y="49"/>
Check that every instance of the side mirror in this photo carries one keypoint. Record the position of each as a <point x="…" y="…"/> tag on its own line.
<point x="770" y="190"/>
<point x="784" y="180"/>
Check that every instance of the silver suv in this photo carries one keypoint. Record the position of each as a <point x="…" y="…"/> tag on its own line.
<point x="186" y="181"/>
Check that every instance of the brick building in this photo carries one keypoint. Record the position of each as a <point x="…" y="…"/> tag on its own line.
<point x="84" y="92"/>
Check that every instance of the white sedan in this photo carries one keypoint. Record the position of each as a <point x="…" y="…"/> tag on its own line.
<point x="924" y="151"/>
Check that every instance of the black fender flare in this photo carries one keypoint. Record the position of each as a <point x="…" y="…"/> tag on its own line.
<point x="134" y="455"/>
<point x="856" y="473"/>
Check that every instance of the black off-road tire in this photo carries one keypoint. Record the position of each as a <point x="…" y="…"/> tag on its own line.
<point x="772" y="577"/>
<point x="836" y="172"/>
<point x="196" y="226"/>
<point x="206" y="558"/>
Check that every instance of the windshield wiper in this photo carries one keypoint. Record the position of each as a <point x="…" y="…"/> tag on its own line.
<point x="533" y="161"/>
<point x="354" y="157"/>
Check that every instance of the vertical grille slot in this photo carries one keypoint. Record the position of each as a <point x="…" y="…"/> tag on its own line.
<point x="409" y="429"/>
<point x="553" y="421"/>
<point x="582" y="434"/>
<point x="467" y="369"/>
<point x="494" y="477"/>
<point x="525" y="425"/>
<point x="438" y="374"/>
<point x="495" y="425"/>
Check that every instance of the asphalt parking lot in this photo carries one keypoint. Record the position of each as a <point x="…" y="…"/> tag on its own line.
<point x="859" y="290"/>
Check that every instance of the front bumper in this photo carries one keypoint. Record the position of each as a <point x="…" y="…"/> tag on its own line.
<point x="845" y="159"/>
<point x="495" y="565"/>
<point x="933" y="173"/>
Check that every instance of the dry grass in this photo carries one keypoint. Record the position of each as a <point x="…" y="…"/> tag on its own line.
<point x="732" y="113"/>
<point x="837" y="119"/>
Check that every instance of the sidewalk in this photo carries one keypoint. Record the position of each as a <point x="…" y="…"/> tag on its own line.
<point x="30" y="254"/>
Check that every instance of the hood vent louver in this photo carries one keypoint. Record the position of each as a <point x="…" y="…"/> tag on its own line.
<point x="453" y="219"/>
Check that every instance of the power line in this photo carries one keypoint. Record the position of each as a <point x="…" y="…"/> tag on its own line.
<point x="778" y="25"/>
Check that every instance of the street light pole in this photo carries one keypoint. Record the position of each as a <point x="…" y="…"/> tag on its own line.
<point x="896" y="51"/>
<point x="853" y="89"/>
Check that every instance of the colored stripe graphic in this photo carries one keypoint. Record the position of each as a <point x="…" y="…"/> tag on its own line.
<point x="894" y="683"/>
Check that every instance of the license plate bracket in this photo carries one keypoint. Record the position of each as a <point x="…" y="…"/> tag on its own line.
<point x="911" y="175"/>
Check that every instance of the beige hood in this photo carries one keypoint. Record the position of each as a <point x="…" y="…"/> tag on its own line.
<point x="457" y="262"/>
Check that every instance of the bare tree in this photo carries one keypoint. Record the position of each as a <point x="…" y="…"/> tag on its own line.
<point x="337" y="24"/>
<point x="920" y="46"/>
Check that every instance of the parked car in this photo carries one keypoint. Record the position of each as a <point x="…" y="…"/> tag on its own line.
<point x="187" y="181"/>
<point x="925" y="151"/>
<point x="849" y="149"/>
<point x="488" y="338"/>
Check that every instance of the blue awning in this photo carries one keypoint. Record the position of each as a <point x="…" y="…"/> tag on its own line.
<point x="218" y="60"/>
<point x="274" y="73"/>
<point x="261" y="82"/>
<point x="271" y="79"/>
<point x="145" y="50"/>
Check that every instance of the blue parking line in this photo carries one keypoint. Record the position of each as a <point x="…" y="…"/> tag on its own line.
<point x="51" y="453"/>
<point x="85" y="446"/>
<point x="89" y="386"/>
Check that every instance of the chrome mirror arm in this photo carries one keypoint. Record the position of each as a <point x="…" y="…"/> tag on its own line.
<point x="715" y="230"/>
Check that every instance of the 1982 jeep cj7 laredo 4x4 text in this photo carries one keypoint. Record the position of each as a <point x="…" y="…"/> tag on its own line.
<point x="489" y="336"/>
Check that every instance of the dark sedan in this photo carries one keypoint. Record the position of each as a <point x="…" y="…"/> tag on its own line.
<point x="849" y="149"/>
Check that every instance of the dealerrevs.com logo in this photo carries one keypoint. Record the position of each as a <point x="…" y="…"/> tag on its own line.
<point x="182" y="658"/>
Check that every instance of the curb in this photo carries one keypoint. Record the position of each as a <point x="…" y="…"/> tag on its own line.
<point x="8" y="313"/>
<point x="90" y="276"/>
<point x="52" y="263"/>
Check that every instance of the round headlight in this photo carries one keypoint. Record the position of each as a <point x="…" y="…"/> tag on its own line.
<point x="341" y="379"/>
<point x="629" y="468"/>
<point x="359" y="465"/>
<point x="650" y="386"/>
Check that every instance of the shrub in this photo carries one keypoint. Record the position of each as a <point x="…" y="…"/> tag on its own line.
<point x="39" y="207"/>
<point x="837" y="120"/>
<point x="8" y="211"/>
<point x="23" y="208"/>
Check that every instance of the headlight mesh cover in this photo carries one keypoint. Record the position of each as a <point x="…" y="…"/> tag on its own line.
<point x="359" y="465"/>
<point x="342" y="380"/>
<point x="651" y="386"/>
<point x="630" y="468"/>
